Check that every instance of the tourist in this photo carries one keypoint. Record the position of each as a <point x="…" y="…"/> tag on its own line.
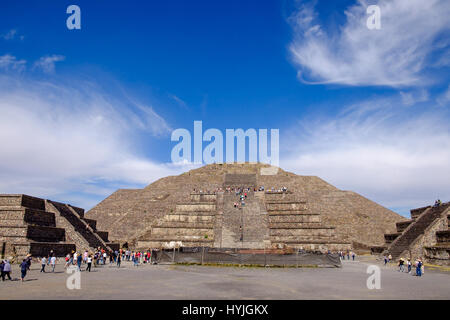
<point x="419" y="268"/>
<point x="89" y="263"/>
<point x="408" y="263"/>
<point x="353" y="256"/>
<point x="111" y="258"/>
<point x="75" y="258"/>
<point x="71" y="258"/>
<point x="85" y="255"/>
<point x="401" y="265"/>
<point x="79" y="260"/>
<point x="43" y="263"/>
<point x="348" y="255"/>
<point x="422" y="267"/>
<point x="385" y="260"/>
<point x="6" y="270"/>
<point x="28" y="261"/>
<point x="2" y="266"/>
<point x="53" y="262"/>
<point x="105" y="255"/>
<point x="23" y="269"/>
<point x="119" y="259"/>
<point x="389" y="258"/>
<point x="67" y="261"/>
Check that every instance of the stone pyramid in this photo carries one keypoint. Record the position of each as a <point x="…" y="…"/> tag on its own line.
<point x="311" y="211"/>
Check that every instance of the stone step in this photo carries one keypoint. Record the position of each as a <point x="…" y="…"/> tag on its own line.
<point x="293" y="225"/>
<point x="273" y="219"/>
<point x="180" y="238"/>
<point x="185" y="225"/>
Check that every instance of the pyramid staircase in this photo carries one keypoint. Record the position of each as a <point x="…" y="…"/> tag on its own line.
<point x="405" y="241"/>
<point x="266" y="220"/>
<point x="79" y="229"/>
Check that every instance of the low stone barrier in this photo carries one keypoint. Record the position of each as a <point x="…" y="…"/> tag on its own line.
<point x="205" y="256"/>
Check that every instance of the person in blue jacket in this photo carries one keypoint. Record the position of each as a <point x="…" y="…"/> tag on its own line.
<point x="419" y="268"/>
<point x="79" y="259"/>
<point x="23" y="269"/>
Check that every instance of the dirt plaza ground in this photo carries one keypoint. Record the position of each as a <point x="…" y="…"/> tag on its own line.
<point x="205" y="282"/>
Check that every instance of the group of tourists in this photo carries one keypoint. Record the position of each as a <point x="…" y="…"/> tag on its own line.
<point x="282" y="189"/>
<point x="416" y="269"/>
<point x="103" y="257"/>
<point x="49" y="260"/>
<point x="349" y="254"/>
<point x="419" y="268"/>
<point x="215" y="191"/>
<point x="5" y="268"/>
<point x="242" y="194"/>
<point x="82" y="260"/>
<point x="235" y="189"/>
<point x="437" y="203"/>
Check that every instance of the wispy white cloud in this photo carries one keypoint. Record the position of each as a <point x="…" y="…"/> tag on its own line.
<point x="398" y="157"/>
<point x="444" y="98"/>
<point x="11" y="34"/>
<point x="179" y="101"/>
<point x="396" y="55"/>
<point x="11" y="63"/>
<point x="410" y="98"/>
<point x="47" y="63"/>
<point x="73" y="141"/>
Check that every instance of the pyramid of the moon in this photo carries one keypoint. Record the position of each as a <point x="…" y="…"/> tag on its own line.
<point x="196" y="209"/>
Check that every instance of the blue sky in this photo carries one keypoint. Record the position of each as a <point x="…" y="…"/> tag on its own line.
<point x="85" y="112"/>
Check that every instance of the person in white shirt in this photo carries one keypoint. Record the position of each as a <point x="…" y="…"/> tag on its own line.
<point x="89" y="263"/>
<point x="43" y="263"/>
<point x="53" y="263"/>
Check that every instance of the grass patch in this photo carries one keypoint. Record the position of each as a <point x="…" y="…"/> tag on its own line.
<point x="435" y="266"/>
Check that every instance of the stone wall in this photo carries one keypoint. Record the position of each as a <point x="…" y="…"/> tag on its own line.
<point x="240" y="180"/>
